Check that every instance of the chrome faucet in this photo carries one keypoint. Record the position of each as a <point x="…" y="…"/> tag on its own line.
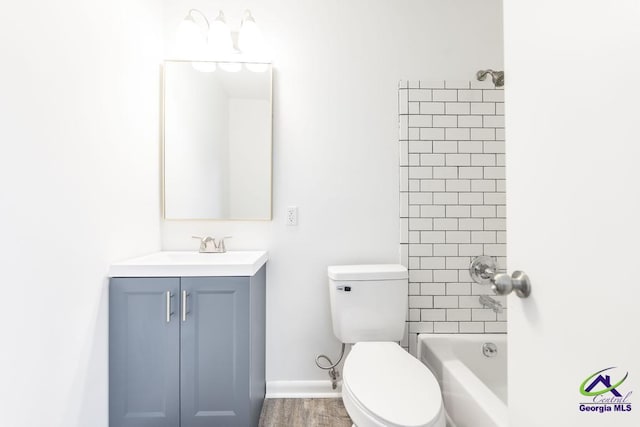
<point x="488" y="302"/>
<point x="209" y="245"/>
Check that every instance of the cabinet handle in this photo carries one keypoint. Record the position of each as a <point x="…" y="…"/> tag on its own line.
<point x="184" y="306"/>
<point x="168" y="306"/>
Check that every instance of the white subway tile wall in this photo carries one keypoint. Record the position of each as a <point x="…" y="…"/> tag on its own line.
<point x="452" y="202"/>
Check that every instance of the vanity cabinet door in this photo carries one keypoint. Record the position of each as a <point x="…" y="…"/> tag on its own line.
<point x="144" y="352"/>
<point x="215" y="343"/>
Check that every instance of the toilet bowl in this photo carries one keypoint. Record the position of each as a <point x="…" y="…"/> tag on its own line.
<point x="383" y="385"/>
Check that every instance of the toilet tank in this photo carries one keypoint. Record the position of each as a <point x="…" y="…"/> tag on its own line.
<point x="368" y="302"/>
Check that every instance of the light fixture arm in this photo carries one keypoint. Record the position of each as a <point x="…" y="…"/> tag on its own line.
<point x="192" y="13"/>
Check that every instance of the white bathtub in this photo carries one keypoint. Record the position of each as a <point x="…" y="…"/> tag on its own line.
<point x="474" y="387"/>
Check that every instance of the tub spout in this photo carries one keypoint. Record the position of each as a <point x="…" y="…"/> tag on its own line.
<point x="488" y="302"/>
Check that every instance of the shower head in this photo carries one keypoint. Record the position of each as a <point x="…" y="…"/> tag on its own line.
<point x="496" y="76"/>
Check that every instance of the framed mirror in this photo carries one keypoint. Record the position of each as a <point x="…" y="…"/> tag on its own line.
<point x="217" y="145"/>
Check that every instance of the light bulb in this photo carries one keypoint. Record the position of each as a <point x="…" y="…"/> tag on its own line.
<point x="231" y="67"/>
<point x="204" y="67"/>
<point x="256" y="68"/>
<point x="250" y="37"/>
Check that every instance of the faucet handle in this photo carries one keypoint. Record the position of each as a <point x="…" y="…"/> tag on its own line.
<point x="221" y="243"/>
<point x="203" y="242"/>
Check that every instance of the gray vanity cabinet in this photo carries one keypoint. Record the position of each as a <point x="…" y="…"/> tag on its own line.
<point x="144" y="360"/>
<point x="202" y="368"/>
<point x="215" y="352"/>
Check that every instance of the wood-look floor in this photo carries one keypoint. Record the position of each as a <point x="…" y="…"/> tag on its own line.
<point x="304" y="413"/>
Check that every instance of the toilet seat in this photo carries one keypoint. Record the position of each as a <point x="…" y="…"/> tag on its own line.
<point x="388" y="387"/>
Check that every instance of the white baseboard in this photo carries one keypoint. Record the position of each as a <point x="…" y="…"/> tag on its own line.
<point x="301" y="389"/>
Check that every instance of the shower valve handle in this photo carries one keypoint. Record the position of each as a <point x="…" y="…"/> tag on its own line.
<point x="484" y="270"/>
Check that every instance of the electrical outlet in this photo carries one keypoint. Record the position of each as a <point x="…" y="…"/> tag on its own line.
<point x="292" y="215"/>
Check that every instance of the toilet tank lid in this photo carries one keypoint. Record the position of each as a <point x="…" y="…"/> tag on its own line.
<point x="368" y="272"/>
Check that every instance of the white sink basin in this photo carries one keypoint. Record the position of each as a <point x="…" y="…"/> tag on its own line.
<point x="180" y="264"/>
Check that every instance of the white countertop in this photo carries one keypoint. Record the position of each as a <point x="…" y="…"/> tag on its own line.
<point x="191" y="263"/>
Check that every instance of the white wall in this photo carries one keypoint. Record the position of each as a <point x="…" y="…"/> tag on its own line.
<point x="336" y="70"/>
<point x="79" y="188"/>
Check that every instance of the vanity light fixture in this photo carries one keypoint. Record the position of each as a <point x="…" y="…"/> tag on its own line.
<point x="220" y="40"/>
<point x="191" y="38"/>
<point x="250" y="37"/>
<point x="215" y="43"/>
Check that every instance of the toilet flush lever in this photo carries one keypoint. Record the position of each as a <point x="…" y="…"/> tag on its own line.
<point x="345" y="288"/>
<point x="484" y="270"/>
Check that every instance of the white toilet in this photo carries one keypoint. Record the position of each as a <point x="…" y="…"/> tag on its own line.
<point x="382" y="385"/>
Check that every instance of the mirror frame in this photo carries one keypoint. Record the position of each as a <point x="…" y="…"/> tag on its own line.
<point x="163" y="144"/>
